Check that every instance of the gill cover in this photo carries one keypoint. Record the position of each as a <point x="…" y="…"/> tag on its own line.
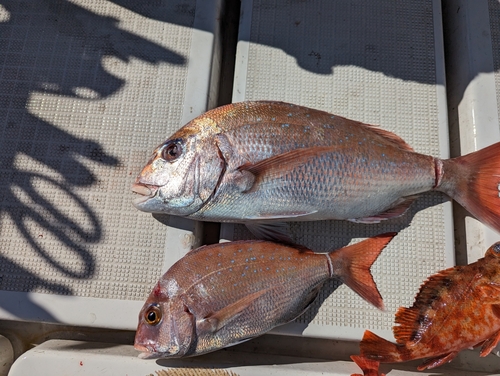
<point x="181" y="176"/>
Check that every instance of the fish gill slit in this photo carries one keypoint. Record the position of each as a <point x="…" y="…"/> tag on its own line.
<point x="330" y="264"/>
<point x="438" y="173"/>
<point x="219" y="180"/>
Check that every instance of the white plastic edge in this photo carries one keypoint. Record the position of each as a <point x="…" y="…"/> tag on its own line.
<point x="72" y="310"/>
<point x="200" y="78"/>
<point x="242" y="50"/>
<point x="477" y="111"/>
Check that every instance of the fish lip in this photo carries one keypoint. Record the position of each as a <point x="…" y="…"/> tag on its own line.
<point x="148" y="351"/>
<point x="145" y="191"/>
<point x="142" y="348"/>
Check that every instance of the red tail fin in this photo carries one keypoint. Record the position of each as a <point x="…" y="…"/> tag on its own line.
<point x="352" y="265"/>
<point x="379" y="349"/>
<point x="473" y="180"/>
<point x="369" y="367"/>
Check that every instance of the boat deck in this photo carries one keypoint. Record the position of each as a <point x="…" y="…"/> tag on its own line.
<point x="89" y="88"/>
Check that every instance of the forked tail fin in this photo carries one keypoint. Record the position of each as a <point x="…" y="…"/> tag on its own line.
<point x="379" y="349"/>
<point x="473" y="180"/>
<point x="352" y="265"/>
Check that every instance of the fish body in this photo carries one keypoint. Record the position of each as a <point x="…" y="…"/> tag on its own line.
<point x="223" y="294"/>
<point x="455" y="309"/>
<point x="274" y="161"/>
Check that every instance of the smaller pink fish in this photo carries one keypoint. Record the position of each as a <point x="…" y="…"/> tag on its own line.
<point x="222" y="294"/>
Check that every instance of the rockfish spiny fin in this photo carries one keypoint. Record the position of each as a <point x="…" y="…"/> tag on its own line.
<point x="219" y="319"/>
<point x="412" y="322"/>
<point x="356" y="260"/>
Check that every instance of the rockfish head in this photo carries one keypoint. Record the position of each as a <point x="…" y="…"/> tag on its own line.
<point x="183" y="172"/>
<point x="166" y="327"/>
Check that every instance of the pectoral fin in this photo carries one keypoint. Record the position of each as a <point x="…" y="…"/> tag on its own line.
<point x="490" y="294"/>
<point x="215" y="321"/>
<point x="490" y="344"/>
<point x="279" y="165"/>
<point x="272" y="231"/>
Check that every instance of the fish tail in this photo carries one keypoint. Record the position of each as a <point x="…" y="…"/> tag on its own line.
<point x="352" y="265"/>
<point x="368" y="366"/>
<point x="473" y="180"/>
<point x="376" y="348"/>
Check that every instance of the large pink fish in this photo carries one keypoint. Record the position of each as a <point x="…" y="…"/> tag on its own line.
<point x="255" y="162"/>
<point x="222" y="294"/>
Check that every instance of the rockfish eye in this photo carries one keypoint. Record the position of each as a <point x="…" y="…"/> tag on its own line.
<point x="496" y="247"/>
<point x="153" y="315"/>
<point x="172" y="151"/>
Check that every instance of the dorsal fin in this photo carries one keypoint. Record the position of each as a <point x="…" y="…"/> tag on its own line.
<point x="413" y="322"/>
<point x="408" y="327"/>
<point x="395" y="139"/>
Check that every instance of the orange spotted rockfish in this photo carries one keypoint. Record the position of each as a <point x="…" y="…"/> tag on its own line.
<point x="455" y="309"/>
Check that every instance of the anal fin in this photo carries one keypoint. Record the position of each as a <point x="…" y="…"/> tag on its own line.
<point x="490" y="344"/>
<point x="437" y="361"/>
<point x="397" y="210"/>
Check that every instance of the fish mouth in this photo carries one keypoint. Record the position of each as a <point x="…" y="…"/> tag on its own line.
<point x="145" y="191"/>
<point x="141" y="348"/>
<point x="147" y="352"/>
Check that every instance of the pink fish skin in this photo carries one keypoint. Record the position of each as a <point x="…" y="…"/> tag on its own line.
<point x="274" y="161"/>
<point x="455" y="309"/>
<point x="223" y="294"/>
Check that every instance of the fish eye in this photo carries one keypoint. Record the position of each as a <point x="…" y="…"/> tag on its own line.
<point x="153" y="315"/>
<point x="496" y="247"/>
<point x="172" y="151"/>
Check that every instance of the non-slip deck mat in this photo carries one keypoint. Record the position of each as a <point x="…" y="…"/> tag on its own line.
<point x="378" y="62"/>
<point x="87" y="90"/>
<point x="494" y="13"/>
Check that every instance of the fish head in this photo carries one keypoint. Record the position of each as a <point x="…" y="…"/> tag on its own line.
<point x="183" y="172"/>
<point x="166" y="326"/>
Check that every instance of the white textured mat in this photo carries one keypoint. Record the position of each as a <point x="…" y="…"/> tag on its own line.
<point x="473" y="75"/>
<point x="379" y="62"/>
<point x="87" y="89"/>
